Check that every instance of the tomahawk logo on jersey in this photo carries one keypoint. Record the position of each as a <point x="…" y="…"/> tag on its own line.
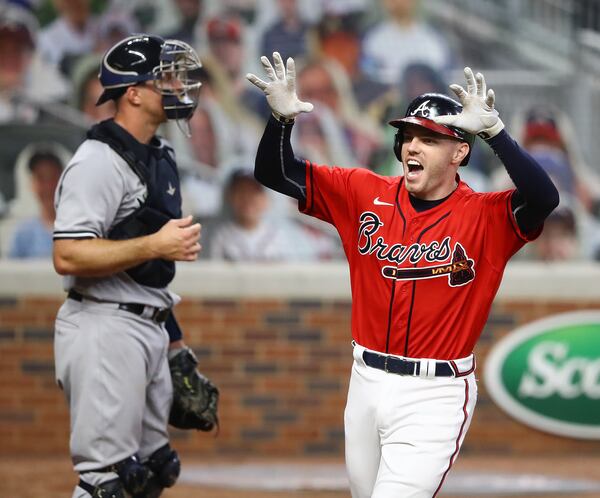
<point x="400" y="260"/>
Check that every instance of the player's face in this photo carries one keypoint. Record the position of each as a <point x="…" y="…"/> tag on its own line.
<point x="430" y="161"/>
<point x="151" y="102"/>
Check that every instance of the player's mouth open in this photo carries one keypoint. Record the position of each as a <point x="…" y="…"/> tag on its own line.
<point x="414" y="168"/>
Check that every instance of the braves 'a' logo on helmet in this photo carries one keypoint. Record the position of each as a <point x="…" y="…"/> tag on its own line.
<point x="423" y="110"/>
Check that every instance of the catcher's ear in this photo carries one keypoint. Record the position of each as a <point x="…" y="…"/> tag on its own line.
<point x="132" y="94"/>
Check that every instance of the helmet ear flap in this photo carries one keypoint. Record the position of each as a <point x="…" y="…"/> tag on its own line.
<point x="398" y="139"/>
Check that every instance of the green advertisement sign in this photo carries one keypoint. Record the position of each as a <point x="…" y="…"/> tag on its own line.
<point x="547" y="374"/>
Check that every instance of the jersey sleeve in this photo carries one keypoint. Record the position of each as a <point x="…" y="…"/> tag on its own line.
<point x="503" y="235"/>
<point x="332" y="194"/>
<point x="89" y="194"/>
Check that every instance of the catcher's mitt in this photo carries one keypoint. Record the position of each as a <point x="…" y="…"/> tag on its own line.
<point x="195" y="398"/>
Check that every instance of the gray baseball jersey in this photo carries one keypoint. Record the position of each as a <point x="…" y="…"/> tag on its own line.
<point x="97" y="190"/>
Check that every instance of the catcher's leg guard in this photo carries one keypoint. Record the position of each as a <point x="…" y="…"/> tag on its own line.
<point x="109" y="489"/>
<point x="134" y="475"/>
<point x="165" y="465"/>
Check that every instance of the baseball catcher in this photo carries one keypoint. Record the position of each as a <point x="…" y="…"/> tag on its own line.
<point x="118" y="232"/>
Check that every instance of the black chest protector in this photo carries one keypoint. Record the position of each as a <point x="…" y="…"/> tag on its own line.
<point x="155" y="166"/>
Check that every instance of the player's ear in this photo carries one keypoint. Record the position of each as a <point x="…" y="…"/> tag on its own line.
<point x="460" y="152"/>
<point x="132" y="94"/>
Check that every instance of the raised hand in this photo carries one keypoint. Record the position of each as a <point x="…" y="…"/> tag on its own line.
<point x="281" y="87"/>
<point x="478" y="115"/>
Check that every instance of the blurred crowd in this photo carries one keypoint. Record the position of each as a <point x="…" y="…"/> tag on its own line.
<point x="360" y="62"/>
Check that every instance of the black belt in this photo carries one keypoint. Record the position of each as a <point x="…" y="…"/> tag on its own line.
<point x="158" y="315"/>
<point x="400" y="366"/>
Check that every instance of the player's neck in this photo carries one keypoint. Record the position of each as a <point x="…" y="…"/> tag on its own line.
<point x="420" y="205"/>
<point x="142" y="130"/>
<point x="435" y="195"/>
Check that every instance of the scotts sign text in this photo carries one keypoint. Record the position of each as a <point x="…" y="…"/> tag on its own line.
<point x="547" y="374"/>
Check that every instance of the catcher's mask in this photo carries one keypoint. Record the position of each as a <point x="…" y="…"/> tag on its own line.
<point x="421" y="110"/>
<point x="172" y="65"/>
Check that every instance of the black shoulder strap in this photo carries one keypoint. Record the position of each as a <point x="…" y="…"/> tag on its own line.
<point x="106" y="132"/>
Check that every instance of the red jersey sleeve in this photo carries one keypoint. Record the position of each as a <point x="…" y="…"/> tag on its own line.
<point x="332" y="193"/>
<point x="503" y="236"/>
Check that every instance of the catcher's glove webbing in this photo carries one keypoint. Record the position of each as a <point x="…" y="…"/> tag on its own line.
<point x="195" y="398"/>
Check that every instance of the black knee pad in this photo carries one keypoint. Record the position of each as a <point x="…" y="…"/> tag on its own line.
<point x="109" y="489"/>
<point x="165" y="465"/>
<point x="134" y="475"/>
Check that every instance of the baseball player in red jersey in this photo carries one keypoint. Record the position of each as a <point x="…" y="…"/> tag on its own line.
<point x="426" y="256"/>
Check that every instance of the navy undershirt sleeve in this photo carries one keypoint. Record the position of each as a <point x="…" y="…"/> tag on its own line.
<point x="276" y="166"/>
<point x="536" y="196"/>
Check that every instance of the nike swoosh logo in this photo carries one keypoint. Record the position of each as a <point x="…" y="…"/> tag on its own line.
<point x="377" y="202"/>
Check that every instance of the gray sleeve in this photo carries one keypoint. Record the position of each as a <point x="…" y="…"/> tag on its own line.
<point x="90" y="193"/>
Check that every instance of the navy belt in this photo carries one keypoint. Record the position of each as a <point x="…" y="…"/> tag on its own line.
<point x="401" y="366"/>
<point x="158" y="315"/>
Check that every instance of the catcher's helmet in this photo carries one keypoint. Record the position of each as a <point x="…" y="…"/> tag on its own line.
<point x="172" y="65"/>
<point x="421" y="110"/>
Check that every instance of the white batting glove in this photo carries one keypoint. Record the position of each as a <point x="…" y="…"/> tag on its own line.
<point x="281" y="90"/>
<point x="478" y="115"/>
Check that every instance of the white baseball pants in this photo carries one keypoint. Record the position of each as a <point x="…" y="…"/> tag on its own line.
<point x="403" y="433"/>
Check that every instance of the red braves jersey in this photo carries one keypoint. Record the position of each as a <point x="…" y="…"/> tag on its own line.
<point x="422" y="282"/>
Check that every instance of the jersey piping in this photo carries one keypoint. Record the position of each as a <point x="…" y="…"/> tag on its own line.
<point x="282" y="163"/>
<point x="75" y="235"/>
<point x="393" y="292"/>
<point x="414" y="283"/>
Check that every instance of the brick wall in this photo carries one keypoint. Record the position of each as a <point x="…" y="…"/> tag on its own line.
<point x="282" y="366"/>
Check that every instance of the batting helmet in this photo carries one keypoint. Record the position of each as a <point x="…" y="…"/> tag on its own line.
<point x="421" y="110"/>
<point x="172" y="65"/>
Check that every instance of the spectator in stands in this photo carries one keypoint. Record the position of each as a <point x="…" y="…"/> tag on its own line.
<point x="26" y="82"/>
<point x="32" y="237"/>
<point x="418" y="78"/>
<point x="204" y="165"/>
<point x="401" y="38"/>
<point x="223" y="135"/>
<point x="548" y="134"/>
<point x="226" y="48"/>
<point x="559" y="241"/>
<point x="87" y="89"/>
<point x="113" y="26"/>
<point x="74" y="32"/>
<point x="320" y="136"/>
<point x="248" y="235"/>
<point x="339" y="38"/>
<point x="325" y="82"/>
<point x="288" y="34"/>
<point x="190" y="12"/>
<point x="549" y="137"/>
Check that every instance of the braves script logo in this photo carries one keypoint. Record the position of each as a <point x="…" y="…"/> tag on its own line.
<point x="457" y="265"/>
